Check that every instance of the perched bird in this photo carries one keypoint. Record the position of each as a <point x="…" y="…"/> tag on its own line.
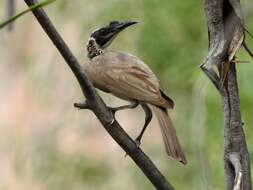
<point x="129" y="78"/>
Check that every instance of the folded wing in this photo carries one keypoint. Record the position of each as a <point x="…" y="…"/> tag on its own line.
<point x="125" y="76"/>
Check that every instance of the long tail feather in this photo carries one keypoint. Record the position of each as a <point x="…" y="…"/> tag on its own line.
<point x="170" y="139"/>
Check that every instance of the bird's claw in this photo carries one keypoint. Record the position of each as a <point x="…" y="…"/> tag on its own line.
<point x="137" y="142"/>
<point x="113" y="110"/>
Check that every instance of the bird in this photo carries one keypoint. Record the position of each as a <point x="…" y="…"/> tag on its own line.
<point x="129" y="78"/>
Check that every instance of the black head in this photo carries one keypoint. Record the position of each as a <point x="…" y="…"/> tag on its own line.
<point x="104" y="36"/>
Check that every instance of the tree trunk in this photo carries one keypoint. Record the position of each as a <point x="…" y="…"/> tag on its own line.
<point x="236" y="156"/>
<point x="226" y="36"/>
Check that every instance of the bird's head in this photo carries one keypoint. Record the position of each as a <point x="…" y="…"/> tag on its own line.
<point x="105" y="35"/>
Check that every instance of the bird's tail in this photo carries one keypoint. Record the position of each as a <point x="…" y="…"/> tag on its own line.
<point x="170" y="139"/>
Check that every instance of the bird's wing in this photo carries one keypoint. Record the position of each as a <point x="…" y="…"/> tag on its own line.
<point x="127" y="78"/>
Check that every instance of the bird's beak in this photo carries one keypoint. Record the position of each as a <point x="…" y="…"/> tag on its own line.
<point x="104" y="36"/>
<point x="118" y="27"/>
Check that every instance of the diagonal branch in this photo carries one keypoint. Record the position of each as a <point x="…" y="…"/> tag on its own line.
<point x="98" y="106"/>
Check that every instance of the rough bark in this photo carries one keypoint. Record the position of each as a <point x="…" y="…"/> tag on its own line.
<point x="97" y="105"/>
<point x="226" y="36"/>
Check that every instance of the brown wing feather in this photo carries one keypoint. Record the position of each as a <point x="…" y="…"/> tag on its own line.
<point x="126" y="84"/>
<point x="127" y="77"/>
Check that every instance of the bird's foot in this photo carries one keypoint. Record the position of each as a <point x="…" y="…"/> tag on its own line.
<point x="113" y="110"/>
<point x="137" y="143"/>
<point x="130" y="106"/>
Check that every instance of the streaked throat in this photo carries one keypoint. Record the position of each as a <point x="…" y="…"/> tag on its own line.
<point x="93" y="49"/>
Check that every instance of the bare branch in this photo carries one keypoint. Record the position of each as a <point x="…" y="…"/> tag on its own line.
<point x="248" y="32"/>
<point x="248" y="50"/>
<point x="99" y="107"/>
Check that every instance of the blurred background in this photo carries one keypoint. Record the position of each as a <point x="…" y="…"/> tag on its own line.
<point x="46" y="144"/>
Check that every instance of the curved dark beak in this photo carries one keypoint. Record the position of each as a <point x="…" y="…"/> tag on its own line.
<point x="117" y="27"/>
<point x="104" y="36"/>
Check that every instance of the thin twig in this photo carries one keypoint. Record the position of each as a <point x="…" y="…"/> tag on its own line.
<point x="37" y="5"/>
<point x="238" y="61"/>
<point x="248" y="32"/>
<point x="248" y="50"/>
<point x="99" y="107"/>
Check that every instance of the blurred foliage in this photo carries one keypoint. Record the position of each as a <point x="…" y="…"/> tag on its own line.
<point x="172" y="39"/>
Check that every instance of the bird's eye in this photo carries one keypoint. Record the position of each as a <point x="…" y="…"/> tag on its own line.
<point x="103" y="31"/>
<point x="112" y="23"/>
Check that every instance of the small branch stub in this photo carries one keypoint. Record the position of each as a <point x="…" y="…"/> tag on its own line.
<point x="82" y="106"/>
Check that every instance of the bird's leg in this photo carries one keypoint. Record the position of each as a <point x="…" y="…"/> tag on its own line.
<point x="84" y="105"/>
<point x="148" y="117"/>
<point x="130" y="106"/>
